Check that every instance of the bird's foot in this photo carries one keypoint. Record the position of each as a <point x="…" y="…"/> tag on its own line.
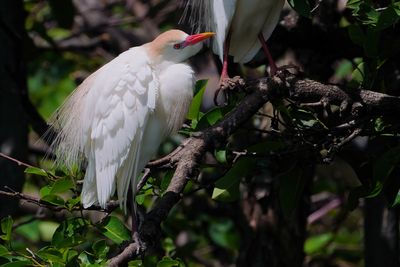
<point x="230" y="83"/>
<point x="227" y="84"/>
<point x="141" y="246"/>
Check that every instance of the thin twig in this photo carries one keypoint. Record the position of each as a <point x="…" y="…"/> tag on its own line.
<point x="111" y="205"/>
<point x="144" y="179"/>
<point x="20" y="163"/>
<point x="321" y="212"/>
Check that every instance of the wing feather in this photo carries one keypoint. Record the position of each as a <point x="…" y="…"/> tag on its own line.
<point x="105" y="121"/>
<point x="121" y="111"/>
<point x="272" y="19"/>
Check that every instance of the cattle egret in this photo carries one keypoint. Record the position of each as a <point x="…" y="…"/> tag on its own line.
<point x="117" y="118"/>
<point x="241" y="26"/>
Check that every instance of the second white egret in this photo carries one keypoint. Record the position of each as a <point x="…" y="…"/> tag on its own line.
<point x="241" y="26"/>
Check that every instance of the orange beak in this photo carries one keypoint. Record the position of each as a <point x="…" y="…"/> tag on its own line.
<point x="196" y="38"/>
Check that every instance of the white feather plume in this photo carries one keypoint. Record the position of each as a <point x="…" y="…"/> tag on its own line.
<point x="116" y="119"/>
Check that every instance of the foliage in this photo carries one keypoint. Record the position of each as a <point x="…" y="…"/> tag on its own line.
<point x="264" y="164"/>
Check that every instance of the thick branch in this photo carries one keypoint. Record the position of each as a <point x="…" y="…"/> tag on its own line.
<point x="186" y="160"/>
<point x="306" y="91"/>
<point x="187" y="157"/>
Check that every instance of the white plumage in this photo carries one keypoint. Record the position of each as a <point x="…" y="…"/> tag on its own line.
<point x="244" y="19"/>
<point x="120" y="114"/>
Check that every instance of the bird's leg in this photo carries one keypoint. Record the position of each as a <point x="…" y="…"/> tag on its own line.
<point x="135" y="228"/>
<point x="271" y="61"/>
<point x="135" y="225"/>
<point x="225" y="82"/>
<point x="224" y="73"/>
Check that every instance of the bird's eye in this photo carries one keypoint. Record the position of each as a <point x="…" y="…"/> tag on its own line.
<point x="177" y="46"/>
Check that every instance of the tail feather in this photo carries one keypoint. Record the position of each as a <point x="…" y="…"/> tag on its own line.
<point x="89" y="189"/>
<point x="125" y="175"/>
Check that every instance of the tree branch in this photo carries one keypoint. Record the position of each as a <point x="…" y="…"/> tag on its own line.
<point x="187" y="157"/>
<point x="111" y="205"/>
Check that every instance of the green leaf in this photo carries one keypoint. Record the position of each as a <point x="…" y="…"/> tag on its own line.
<point x="169" y="262"/>
<point x="354" y="4"/>
<point x="168" y="245"/>
<point x="224" y="234"/>
<point x="388" y="17"/>
<point x="212" y="117"/>
<point x="140" y="198"/>
<point x="115" y="230"/>
<point x="50" y="255"/>
<point x="53" y="199"/>
<point x="47" y="229"/>
<point x="358" y="74"/>
<point x="45" y="190"/>
<point x="195" y="106"/>
<point x="220" y="155"/>
<point x="71" y="203"/>
<point x="6" y="228"/>
<point x="382" y="169"/>
<point x="227" y="188"/>
<point x="87" y="259"/>
<point x="101" y="249"/>
<point x="71" y="257"/>
<point x="166" y="180"/>
<point x="30" y="230"/>
<point x="344" y="69"/>
<point x="70" y="232"/>
<point x="301" y="6"/>
<point x="21" y="263"/>
<point x="396" y="201"/>
<point x="62" y="185"/>
<point x="4" y="251"/>
<point x="380" y="125"/>
<point x="37" y="171"/>
<point x="304" y="118"/>
<point x="316" y="243"/>
<point x="135" y="263"/>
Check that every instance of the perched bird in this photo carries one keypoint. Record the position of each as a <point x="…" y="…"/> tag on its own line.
<point x="117" y="118"/>
<point x="241" y="26"/>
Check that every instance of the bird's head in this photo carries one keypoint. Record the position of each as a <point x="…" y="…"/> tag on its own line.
<point x="176" y="46"/>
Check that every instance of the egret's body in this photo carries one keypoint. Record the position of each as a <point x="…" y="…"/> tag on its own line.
<point x="238" y="24"/>
<point x="119" y="115"/>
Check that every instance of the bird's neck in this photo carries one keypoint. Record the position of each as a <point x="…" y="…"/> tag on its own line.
<point x="157" y="61"/>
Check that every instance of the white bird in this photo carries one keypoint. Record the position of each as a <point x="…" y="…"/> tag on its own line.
<point x="241" y="26"/>
<point x="117" y="118"/>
